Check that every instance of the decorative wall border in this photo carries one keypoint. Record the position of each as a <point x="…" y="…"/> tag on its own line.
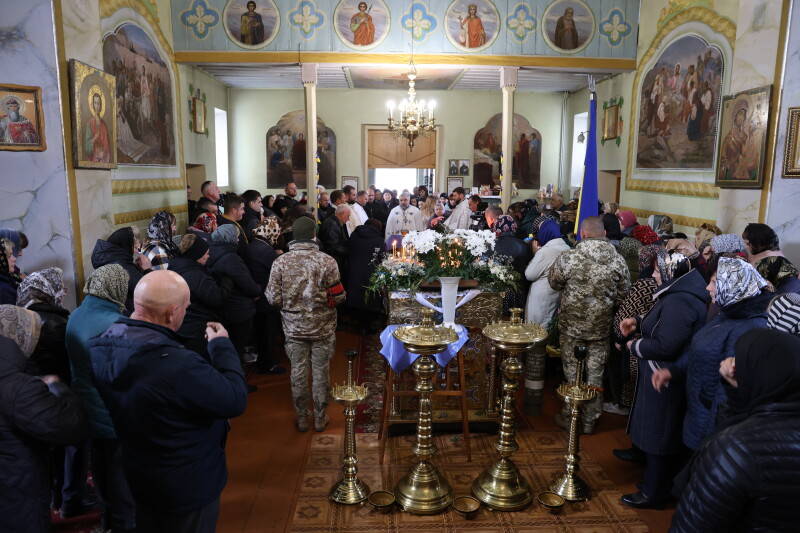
<point x="146" y="185"/>
<point x="146" y="214"/>
<point x="719" y="24"/>
<point x="680" y="220"/>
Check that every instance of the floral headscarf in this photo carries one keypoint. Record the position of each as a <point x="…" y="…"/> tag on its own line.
<point x="269" y="229"/>
<point x="736" y="281"/>
<point x="645" y="235"/>
<point x="45" y="286"/>
<point x="783" y="313"/>
<point x="21" y="326"/>
<point x="160" y="230"/>
<point x="727" y="242"/>
<point x="776" y="269"/>
<point x="109" y="282"/>
<point x="503" y="224"/>
<point x="626" y="218"/>
<point x="5" y="268"/>
<point x="683" y="246"/>
<point x="649" y="254"/>
<point x="206" y="222"/>
<point x="665" y="226"/>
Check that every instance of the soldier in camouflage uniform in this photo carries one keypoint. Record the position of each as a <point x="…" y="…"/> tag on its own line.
<point x="305" y="284"/>
<point x="594" y="279"/>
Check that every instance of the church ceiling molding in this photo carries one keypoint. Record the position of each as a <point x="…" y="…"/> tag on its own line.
<point x="726" y="29"/>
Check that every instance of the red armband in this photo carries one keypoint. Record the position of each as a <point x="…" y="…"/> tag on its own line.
<point x="333" y="291"/>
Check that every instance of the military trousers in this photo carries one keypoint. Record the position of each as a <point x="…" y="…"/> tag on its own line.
<point x="314" y="356"/>
<point x="595" y="361"/>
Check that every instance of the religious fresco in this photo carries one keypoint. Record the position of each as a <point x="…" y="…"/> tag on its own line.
<point x="286" y="152"/>
<point x="428" y="79"/>
<point x="362" y="25"/>
<point x="679" y="107"/>
<point x="145" y="111"/>
<point x="472" y="25"/>
<point x="526" y="161"/>
<point x="251" y="24"/>
<point x="568" y="26"/>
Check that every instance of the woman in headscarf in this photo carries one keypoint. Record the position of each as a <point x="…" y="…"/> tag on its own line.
<point x="543" y="300"/>
<point x="35" y="413"/>
<point x="638" y="302"/>
<point x="161" y="246"/>
<point x="665" y="227"/>
<point x="666" y="330"/>
<point x="207" y="297"/>
<point x="727" y="243"/>
<point x="744" y="477"/>
<point x="203" y="226"/>
<point x="9" y="279"/>
<point x="627" y="221"/>
<point x="739" y="292"/>
<point x="765" y="254"/>
<point x="613" y="229"/>
<point x="122" y="248"/>
<point x="267" y="317"/>
<point x="509" y="245"/>
<point x="105" y="290"/>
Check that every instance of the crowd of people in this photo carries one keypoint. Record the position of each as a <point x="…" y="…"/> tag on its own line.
<point x="694" y="338"/>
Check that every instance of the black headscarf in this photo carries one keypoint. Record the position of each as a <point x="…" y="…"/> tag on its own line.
<point x="612" y="227"/>
<point x="767" y="371"/>
<point x="123" y="238"/>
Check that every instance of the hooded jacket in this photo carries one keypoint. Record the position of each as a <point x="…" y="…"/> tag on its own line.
<point x="225" y="262"/>
<point x="169" y="406"/>
<point x="594" y="279"/>
<point x="32" y="418"/>
<point x="207" y="297"/>
<point x="106" y="253"/>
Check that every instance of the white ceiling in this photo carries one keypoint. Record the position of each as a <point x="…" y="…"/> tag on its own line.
<point x="332" y="76"/>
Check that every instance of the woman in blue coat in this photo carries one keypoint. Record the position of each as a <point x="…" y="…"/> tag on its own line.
<point x="656" y="419"/>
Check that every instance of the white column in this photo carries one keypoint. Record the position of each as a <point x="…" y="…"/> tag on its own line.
<point x="308" y="73"/>
<point x="508" y="84"/>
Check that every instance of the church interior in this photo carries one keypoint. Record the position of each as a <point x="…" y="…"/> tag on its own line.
<point x="133" y="102"/>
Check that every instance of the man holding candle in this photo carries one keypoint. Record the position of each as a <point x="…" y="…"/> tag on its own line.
<point x="404" y="218"/>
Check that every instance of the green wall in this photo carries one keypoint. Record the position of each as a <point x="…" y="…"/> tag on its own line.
<point x="460" y="113"/>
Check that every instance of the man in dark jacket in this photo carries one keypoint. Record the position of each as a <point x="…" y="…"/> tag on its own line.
<point x="252" y="212"/>
<point x="325" y="208"/>
<point x="334" y="238"/>
<point x="375" y="207"/>
<point x="234" y="211"/>
<point x="366" y="251"/>
<point x="208" y="297"/>
<point x="169" y="406"/>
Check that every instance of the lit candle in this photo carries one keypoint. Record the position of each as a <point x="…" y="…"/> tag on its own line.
<point x="404" y="251"/>
<point x="394" y="248"/>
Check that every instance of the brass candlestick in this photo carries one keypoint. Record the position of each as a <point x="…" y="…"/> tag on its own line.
<point x="424" y="490"/>
<point x="349" y="489"/>
<point x="576" y="393"/>
<point x="501" y="486"/>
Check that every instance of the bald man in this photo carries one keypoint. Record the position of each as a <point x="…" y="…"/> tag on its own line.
<point x="169" y="406"/>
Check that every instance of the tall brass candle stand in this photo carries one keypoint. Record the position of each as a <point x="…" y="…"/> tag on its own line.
<point x="501" y="486"/>
<point x="576" y="393"/>
<point x="424" y="490"/>
<point x="349" y="489"/>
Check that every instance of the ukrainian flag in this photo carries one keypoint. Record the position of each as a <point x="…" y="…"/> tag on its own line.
<point x="587" y="205"/>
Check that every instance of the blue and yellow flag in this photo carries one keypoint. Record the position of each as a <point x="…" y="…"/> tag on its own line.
<point x="587" y="204"/>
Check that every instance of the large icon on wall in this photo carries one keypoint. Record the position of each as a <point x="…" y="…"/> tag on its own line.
<point x="251" y="24"/>
<point x="145" y="111"/>
<point x="743" y="133"/>
<point x="525" y="163"/>
<point x="679" y="107"/>
<point x="472" y="25"/>
<point x="286" y="152"/>
<point x="362" y="25"/>
<point x="21" y="118"/>
<point x="568" y="26"/>
<point x="93" y="95"/>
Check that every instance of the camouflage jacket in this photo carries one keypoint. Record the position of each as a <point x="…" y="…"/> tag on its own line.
<point x="595" y="279"/>
<point x="298" y="284"/>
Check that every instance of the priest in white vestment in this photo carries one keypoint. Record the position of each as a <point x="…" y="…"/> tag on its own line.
<point x="404" y="217"/>
<point x="358" y="215"/>
<point x="459" y="218"/>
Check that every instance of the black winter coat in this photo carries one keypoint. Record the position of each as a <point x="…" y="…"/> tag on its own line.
<point x="334" y="239"/>
<point x="224" y="262"/>
<point x="106" y="253"/>
<point x="249" y="221"/>
<point x="744" y="478"/>
<point x="325" y="212"/>
<point x="50" y="355"/>
<point x="364" y="241"/>
<point x="520" y="252"/>
<point x="243" y="248"/>
<point x="32" y="418"/>
<point x="259" y="262"/>
<point x="207" y="297"/>
<point x="377" y="210"/>
<point x="657" y="417"/>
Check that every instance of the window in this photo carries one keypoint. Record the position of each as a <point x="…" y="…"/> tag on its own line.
<point x="580" y="124"/>
<point x="396" y="178"/>
<point x="221" y="140"/>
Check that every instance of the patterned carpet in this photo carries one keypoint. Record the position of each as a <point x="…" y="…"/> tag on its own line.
<point x="541" y="458"/>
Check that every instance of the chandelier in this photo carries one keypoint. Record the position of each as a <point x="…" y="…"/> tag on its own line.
<point x="416" y="118"/>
